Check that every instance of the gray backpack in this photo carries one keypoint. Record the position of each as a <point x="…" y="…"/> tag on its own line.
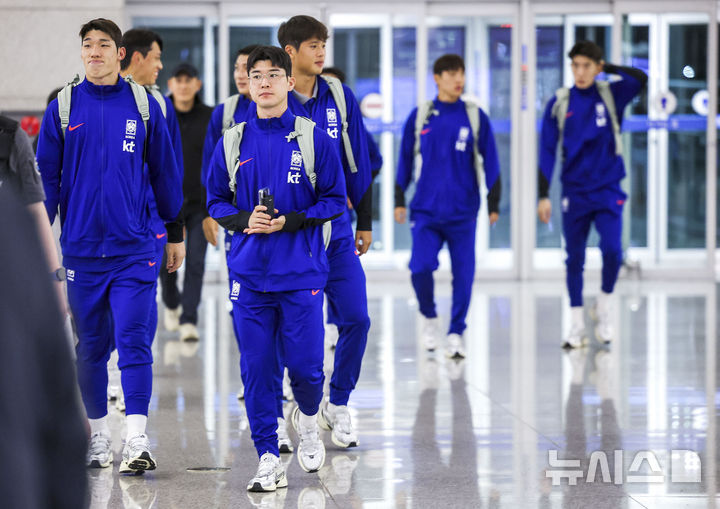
<point x="229" y="107"/>
<point x="155" y="92"/>
<point x="304" y="132"/>
<point x="64" y="98"/>
<point x="560" y="108"/>
<point x="425" y="111"/>
<point x="336" y="89"/>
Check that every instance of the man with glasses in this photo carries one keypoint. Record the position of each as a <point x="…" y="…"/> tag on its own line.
<point x="277" y="262"/>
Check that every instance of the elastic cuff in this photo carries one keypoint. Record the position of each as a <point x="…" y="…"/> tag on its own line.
<point x="174" y="232"/>
<point x="293" y="221"/>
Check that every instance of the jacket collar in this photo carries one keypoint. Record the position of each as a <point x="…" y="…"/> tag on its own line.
<point x="283" y="123"/>
<point x="103" y="90"/>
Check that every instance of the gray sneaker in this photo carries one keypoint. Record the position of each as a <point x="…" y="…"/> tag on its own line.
<point x="270" y="475"/>
<point x="99" y="454"/>
<point x="338" y="421"/>
<point x="311" y="450"/>
<point x="284" y="443"/>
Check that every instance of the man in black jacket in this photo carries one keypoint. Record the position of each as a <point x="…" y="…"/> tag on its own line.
<point x="193" y="118"/>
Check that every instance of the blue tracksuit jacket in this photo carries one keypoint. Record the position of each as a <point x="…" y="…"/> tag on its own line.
<point x="214" y="130"/>
<point x="174" y="131"/>
<point x="447" y="186"/>
<point x="96" y="174"/>
<point x="588" y="147"/>
<point x="294" y="258"/>
<point x="323" y="111"/>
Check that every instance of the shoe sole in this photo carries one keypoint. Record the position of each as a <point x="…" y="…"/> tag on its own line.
<point x="293" y="419"/>
<point x="138" y="465"/>
<point x="455" y="355"/>
<point x="259" y="488"/>
<point x="569" y="346"/>
<point x="606" y="341"/>
<point x="97" y="464"/>
<point x="339" y="443"/>
<point x="285" y="448"/>
<point x="308" y="469"/>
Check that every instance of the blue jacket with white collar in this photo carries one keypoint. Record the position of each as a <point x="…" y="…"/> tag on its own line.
<point x="97" y="176"/>
<point x="293" y="258"/>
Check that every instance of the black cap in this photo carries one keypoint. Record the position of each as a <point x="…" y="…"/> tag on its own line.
<point x="185" y="68"/>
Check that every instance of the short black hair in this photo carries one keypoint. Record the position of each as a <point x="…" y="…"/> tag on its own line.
<point x="448" y="62"/>
<point x="335" y="71"/>
<point x="299" y="29"/>
<point x="103" y="25"/>
<point x="587" y="49"/>
<point x="277" y="56"/>
<point x="247" y="50"/>
<point x="138" y="39"/>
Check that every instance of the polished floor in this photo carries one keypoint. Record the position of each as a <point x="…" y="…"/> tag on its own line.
<point x="519" y="424"/>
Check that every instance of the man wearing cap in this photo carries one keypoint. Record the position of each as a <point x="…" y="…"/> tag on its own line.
<point x="193" y="117"/>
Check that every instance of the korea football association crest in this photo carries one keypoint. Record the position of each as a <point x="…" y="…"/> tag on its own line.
<point x="332" y="121"/>
<point x="293" y="176"/>
<point x="296" y="158"/>
<point x="130" y="127"/>
<point x="235" y="291"/>
<point x="130" y="132"/>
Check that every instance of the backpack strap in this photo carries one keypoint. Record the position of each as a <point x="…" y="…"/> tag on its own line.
<point x="305" y="134"/>
<point x="64" y="98"/>
<point x="607" y="97"/>
<point x="424" y="112"/>
<point x="141" y="100"/>
<point x="559" y="113"/>
<point x="229" y="107"/>
<point x="338" y="93"/>
<point x="159" y="97"/>
<point x="231" y="147"/>
<point x="473" y="113"/>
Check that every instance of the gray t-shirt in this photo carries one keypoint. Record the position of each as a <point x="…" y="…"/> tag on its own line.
<point x="24" y="176"/>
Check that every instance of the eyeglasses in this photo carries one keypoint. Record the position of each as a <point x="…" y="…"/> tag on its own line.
<point x="272" y="77"/>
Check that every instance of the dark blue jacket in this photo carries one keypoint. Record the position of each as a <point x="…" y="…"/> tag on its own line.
<point x="323" y="111"/>
<point x="214" y="130"/>
<point x="96" y="174"/>
<point x="447" y="186"/>
<point x="588" y="147"/>
<point x="294" y="258"/>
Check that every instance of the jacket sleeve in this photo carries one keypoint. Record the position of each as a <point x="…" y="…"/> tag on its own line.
<point x="214" y="133"/>
<point x="220" y="197"/>
<point x="174" y="131"/>
<point x="165" y="176"/>
<point x="357" y="183"/>
<point x="491" y="162"/>
<point x="50" y="158"/>
<point x="549" y="134"/>
<point x="632" y="82"/>
<point x="406" y="159"/>
<point x="329" y="187"/>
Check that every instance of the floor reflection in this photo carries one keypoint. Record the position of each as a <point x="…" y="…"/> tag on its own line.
<point x="437" y="433"/>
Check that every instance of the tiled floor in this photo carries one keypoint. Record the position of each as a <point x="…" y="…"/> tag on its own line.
<point x="492" y="431"/>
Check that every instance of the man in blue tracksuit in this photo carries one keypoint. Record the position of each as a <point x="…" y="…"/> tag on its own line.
<point x="97" y="165"/>
<point x="216" y="128"/>
<point x="277" y="262"/>
<point x="303" y="38"/>
<point x="589" y="116"/>
<point x="447" y="194"/>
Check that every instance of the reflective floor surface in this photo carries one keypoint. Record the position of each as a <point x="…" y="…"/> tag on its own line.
<point x="519" y="424"/>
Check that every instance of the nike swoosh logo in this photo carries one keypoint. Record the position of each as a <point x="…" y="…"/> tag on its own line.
<point x="152" y="264"/>
<point x="73" y="127"/>
<point x="425" y="131"/>
<point x="314" y="292"/>
<point x="159" y="235"/>
<point x="245" y="161"/>
<point x="569" y="114"/>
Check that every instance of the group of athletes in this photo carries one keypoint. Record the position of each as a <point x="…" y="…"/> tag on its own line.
<point x="137" y="176"/>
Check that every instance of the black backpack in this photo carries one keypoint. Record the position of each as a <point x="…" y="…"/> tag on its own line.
<point x="7" y="138"/>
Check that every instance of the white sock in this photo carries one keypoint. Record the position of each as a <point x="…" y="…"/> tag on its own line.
<point x="603" y="300"/>
<point x="308" y="421"/>
<point x="136" y="424"/>
<point x="99" y="426"/>
<point x="577" y="315"/>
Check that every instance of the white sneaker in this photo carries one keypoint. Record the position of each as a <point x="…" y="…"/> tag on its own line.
<point x="311" y="450"/>
<point x="241" y="393"/>
<point x="429" y="332"/>
<point x="188" y="332"/>
<point x="577" y="337"/>
<point x="120" y="401"/>
<point x="99" y="454"/>
<point x="171" y="318"/>
<point x="112" y="392"/>
<point x="284" y="443"/>
<point x="136" y="455"/>
<point x="454" y="348"/>
<point x="337" y="419"/>
<point x="270" y="474"/>
<point x="604" y="330"/>
<point x="331" y="336"/>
